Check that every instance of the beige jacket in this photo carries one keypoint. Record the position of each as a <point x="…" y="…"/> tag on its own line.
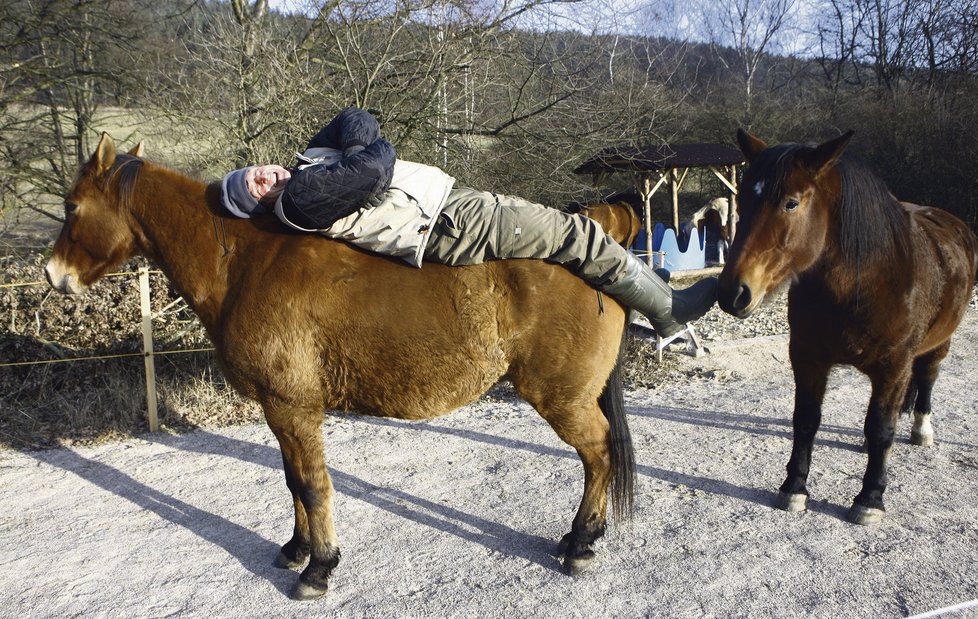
<point x="401" y="223"/>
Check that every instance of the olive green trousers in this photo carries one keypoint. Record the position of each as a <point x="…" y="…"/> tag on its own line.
<point x="477" y="226"/>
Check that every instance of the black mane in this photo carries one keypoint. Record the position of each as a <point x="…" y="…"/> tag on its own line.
<point x="874" y="226"/>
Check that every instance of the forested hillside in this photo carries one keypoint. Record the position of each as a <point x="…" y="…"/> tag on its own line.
<point x="493" y="92"/>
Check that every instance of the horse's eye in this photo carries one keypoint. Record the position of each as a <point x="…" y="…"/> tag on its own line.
<point x="70" y="207"/>
<point x="790" y="204"/>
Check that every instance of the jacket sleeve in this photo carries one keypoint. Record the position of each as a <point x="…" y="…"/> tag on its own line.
<point x="353" y="129"/>
<point x="318" y="195"/>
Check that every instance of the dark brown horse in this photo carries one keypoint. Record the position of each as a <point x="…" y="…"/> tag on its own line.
<point x="302" y="323"/>
<point x="877" y="284"/>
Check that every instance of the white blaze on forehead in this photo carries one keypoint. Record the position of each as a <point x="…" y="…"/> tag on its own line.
<point x="759" y="187"/>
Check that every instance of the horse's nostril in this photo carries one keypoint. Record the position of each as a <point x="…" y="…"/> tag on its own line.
<point x="57" y="278"/>
<point x="54" y="277"/>
<point x="742" y="298"/>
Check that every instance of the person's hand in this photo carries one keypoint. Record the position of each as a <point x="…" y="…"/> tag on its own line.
<point x="266" y="182"/>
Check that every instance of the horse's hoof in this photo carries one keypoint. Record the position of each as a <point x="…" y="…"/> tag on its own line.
<point x="563" y="544"/>
<point x="922" y="432"/>
<point x="921" y="439"/>
<point x="860" y="514"/>
<point x="304" y="592"/>
<point x="284" y="562"/>
<point x="577" y="565"/>
<point x="792" y="502"/>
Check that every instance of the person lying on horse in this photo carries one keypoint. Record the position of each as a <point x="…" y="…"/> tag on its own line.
<point x="349" y="185"/>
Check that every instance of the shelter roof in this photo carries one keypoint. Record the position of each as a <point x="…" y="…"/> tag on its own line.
<point x="644" y="158"/>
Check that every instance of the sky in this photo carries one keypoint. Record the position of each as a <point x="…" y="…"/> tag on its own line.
<point x="602" y="16"/>
<point x="678" y="19"/>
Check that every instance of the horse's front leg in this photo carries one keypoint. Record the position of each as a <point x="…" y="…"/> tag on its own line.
<point x="298" y="432"/>
<point x="889" y="388"/>
<point x="810" y="381"/>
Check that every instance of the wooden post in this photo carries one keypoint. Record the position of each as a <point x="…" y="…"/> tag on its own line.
<point x="645" y="188"/>
<point x="647" y="215"/>
<point x="732" y="205"/>
<point x="145" y="310"/>
<point x="674" y="183"/>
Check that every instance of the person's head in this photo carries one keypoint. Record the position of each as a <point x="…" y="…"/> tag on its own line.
<point x="243" y="190"/>
<point x="266" y="182"/>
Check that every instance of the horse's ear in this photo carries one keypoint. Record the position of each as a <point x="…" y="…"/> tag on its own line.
<point x="104" y="153"/>
<point x="137" y="150"/>
<point x="749" y="145"/>
<point x="827" y="153"/>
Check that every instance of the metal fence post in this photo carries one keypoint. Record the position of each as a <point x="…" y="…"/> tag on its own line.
<point x="145" y="310"/>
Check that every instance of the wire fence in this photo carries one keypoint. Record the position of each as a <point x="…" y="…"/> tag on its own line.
<point x="148" y="352"/>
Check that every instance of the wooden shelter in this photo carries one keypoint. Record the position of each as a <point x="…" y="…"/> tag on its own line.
<point x="651" y="167"/>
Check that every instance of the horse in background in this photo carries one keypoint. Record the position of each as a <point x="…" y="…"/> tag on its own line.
<point x="620" y="216"/>
<point x="301" y="323"/>
<point x="875" y="283"/>
<point x="617" y="214"/>
<point x="711" y="219"/>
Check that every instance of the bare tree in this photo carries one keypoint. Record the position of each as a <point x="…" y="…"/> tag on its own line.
<point x="901" y="41"/>
<point x="487" y="90"/>
<point x="239" y="94"/>
<point x="57" y="67"/>
<point x="751" y="29"/>
<point x="416" y="62"/>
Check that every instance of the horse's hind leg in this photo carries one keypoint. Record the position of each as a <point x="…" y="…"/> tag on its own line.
<point x="588" y="434"/>
<point x="889" y="386"/>
<point x="295" y="552"/>
<point x="298" y="432"/>
<point x="925" y="370"/>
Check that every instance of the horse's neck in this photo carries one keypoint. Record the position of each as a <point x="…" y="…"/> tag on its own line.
<point x="182" y="236"/>
<point x="851" y="280"/>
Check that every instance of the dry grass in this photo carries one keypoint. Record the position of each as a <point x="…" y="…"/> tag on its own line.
<point x="82" y="401"/>
<point x="90" y="401"/>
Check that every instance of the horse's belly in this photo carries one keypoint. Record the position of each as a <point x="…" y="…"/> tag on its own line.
<point x="380" y="400"/>
<point x="413" y="378"/>
<point x="943" y="327"/>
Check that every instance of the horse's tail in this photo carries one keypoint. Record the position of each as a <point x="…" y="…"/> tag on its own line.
<point x="612" y="403"/>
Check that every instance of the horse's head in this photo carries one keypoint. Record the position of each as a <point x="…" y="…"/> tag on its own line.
<point x="784" y="203"/>
<point x="97" y="233"/>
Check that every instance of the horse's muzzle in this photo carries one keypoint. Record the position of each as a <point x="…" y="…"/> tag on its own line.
<point x="736" y="298"/>
<point x="61" y="280"/>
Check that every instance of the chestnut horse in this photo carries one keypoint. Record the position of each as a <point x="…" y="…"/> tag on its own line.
<point x="617" y="214"/>
<point x="302" y="323"/>
<point x="877" y="284"/>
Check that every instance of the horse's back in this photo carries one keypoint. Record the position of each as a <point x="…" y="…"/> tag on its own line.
<point x="945" y="229"/>
<point x="618" y="219"/>
<point x="390" y="339"/>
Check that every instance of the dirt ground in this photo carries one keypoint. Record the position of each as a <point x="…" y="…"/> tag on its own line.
<point x="460" y="516"/>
